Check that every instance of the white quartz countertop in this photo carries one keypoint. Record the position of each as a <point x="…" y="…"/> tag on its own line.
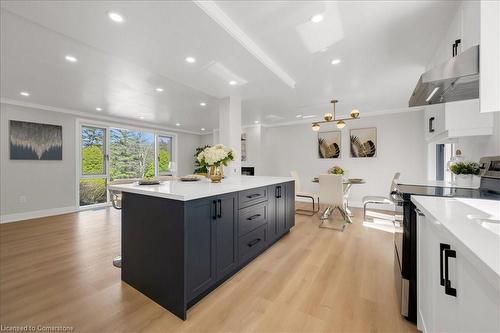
<point x="184" y="191"/>
<point x="475" y="223"/>
<point x="436" y="183"/>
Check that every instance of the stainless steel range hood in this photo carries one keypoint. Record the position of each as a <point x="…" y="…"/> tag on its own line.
<point x="454" y="80"/>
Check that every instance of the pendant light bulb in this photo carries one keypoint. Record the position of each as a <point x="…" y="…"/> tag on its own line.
<point x="340" y="124"/>
<point x="316" y="127"/>
<point x="355" y="113"/>
<point x="328" y="116"/>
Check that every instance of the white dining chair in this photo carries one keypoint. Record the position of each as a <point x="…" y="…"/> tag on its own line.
<point x="379" y="200"/>
<point x="331" y="193"/>
<point x="299" y="192"/>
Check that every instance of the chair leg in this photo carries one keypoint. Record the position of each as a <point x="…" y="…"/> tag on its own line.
<point x="364" y="211"/>
<point x="307" y="211"/>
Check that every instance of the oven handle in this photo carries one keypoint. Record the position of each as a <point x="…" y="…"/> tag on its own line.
<point x="419" y="212"/>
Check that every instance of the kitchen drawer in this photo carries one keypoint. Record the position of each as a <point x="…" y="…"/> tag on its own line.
<point x="250" y="218"/>
<point x="252" y="243"/>
<point x="251" y="197"/>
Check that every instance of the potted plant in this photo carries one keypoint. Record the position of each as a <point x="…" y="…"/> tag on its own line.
<point x="336" y="170"/>
<point x="215" y="158"/>
<point x="464" y="172"/>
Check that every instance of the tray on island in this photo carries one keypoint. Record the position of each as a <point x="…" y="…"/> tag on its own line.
<point x="149" y="182"/>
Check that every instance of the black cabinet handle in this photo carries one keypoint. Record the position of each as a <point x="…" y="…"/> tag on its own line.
<point x="442" y="248"/>
<point x="219" y="214"/>
<point x="255" y="241"/>
<point x="251" y="196"/>
<point x="448" y="290"/>
<point x="431" y="124"/>
<point x="214" y="217"/>
<point x="253" y="217"/>
<point x="277" y="192"/>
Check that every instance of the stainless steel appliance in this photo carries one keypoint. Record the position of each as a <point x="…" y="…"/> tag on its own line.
<point x="405" y="237"/>
<point x="454" y="80"/>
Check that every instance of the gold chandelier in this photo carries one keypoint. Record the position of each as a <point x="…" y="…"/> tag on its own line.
<point x="330" y="118"/>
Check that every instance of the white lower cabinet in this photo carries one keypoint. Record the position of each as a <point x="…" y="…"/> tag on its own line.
<point x="470" y="303"/>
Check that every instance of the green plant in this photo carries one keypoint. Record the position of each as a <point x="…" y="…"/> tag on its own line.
<point x="336" y="170"/>
<point x="465" y="168"/>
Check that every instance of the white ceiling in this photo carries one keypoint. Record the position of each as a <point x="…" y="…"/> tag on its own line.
<point x="383" y="47"/>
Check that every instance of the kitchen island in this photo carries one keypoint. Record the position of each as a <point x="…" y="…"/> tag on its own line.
<point x="180" y="240"/>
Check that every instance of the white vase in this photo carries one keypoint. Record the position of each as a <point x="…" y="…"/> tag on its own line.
<point x="463" y="180"/>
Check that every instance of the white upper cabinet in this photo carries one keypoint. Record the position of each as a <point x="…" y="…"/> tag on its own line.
<point x="456" y="119"/>
<point x="489" y="56"/>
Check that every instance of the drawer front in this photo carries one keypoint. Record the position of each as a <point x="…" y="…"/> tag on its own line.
<point x="250" y="197"/>
<point x="252" y="243"/>
<point x="250" y="218"/>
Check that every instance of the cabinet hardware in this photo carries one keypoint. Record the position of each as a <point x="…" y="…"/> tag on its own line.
<point x="431" y="124"/>
<point x="442" y="247"/>
<point x="253" y="217"/>
<point x="219" y="203"/>
<point x="419" y="212"/>
<point x="214" y="217"/>
<point x="448" y="290"/>
<point x="251" y="196"/>
<point x="277" y="192"/>
<point x="252" y="243"/>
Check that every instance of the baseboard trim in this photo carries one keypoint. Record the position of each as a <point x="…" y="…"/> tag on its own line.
<point x="8" y="218"/>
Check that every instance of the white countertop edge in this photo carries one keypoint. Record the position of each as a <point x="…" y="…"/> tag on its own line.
<point x="490" y="268"/>
<point x="229" y="185"/>
<point x="434" y="183"/>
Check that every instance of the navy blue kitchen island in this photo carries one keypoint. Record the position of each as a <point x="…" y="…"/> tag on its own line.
<point x="182" y="240"/>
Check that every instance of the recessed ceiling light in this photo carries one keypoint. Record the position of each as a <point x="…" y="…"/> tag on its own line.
<point x="203" y="104"/>
<point x="233" y="83"/>
<point x="114" y="16"/>
<point x="98" y="109"/>
<point x="177" y="124"/>
<point x="309" y="116"/>
<point x="141" y="117"/>
<point x="70" y="58"/>
<point x="24" y="93"/>
<point x="190" y="60"/>
<point x="203" y="128"/>
<point x="317" y="18"/>
<point x="298" y="116"/>
<point x="335" y="61"/>
<point x="256" y="122"/>
<point x="159" y="89"/>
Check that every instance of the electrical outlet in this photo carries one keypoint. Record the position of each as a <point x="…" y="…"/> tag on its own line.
<point x="22" y="199"/>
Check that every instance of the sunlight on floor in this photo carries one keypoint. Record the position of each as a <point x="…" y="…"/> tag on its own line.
<point x="380" y="221"/>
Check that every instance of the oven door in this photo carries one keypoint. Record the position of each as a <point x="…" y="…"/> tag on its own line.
<point x="402" y="284"/>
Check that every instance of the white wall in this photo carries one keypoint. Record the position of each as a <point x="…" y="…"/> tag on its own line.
<point x="475" y="147"/>
<point x="49" y="187"/>
<point x="401" y="147"/>
<point x="254" y="148"/>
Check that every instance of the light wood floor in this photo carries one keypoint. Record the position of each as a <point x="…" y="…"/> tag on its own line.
<point x="57" y="271"/>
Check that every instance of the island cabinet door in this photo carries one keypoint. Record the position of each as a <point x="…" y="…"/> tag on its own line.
<point x="280" y="211"/>
<point x="200" y="229"/>
<point x="289" y="204"/>
<point x="271" y="217"/>
<point x="226" y="235"/>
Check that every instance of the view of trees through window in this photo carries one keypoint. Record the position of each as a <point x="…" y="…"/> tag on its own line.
<point x="131" y="155"/>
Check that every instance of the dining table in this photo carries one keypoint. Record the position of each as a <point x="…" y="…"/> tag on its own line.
<point x="348" y="182"/>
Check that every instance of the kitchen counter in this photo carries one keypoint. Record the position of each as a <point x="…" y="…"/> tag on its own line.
<point x="475" y="223"/>
<point x="434" y="183"/>
<point x="185" y="191"/>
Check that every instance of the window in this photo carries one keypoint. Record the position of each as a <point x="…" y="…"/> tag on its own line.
<point x="131" y="154"/>
<point x="93" y="179"/>
<point x="113" y="153"/>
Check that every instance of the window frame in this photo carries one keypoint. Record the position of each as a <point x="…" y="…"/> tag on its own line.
<point x="82" y="122"/>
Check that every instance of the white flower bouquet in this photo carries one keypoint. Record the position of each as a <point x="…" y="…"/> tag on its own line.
<point x="217" y="155"/>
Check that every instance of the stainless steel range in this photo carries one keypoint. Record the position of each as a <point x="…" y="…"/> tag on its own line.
<point x="405" y="238"/>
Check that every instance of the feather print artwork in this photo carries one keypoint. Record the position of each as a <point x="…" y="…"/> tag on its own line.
<point x="33" y="141"/>
<point x="329" y="144"/>
<point x="363" y="142"/>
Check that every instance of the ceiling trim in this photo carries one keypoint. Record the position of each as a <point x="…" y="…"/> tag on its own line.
<point x="220" y="17"/>
<point x="120" y="120"/>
